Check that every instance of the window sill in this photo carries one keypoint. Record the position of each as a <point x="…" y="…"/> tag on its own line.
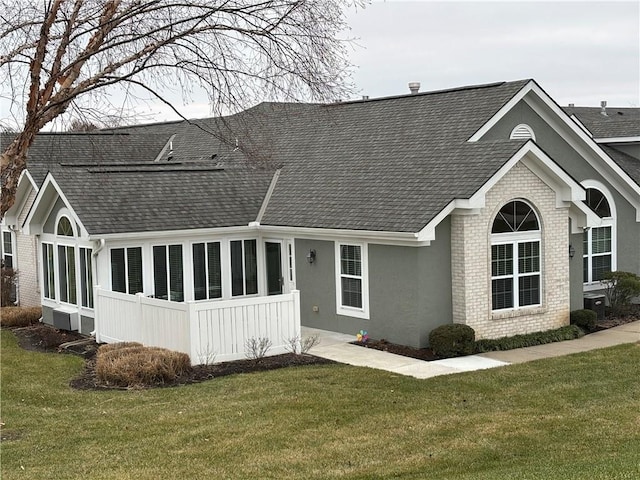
<point x="520" y="312"/>
<point x="356" y="313"/>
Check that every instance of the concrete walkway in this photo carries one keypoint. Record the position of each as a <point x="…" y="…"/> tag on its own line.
<point x="337" y="347"/>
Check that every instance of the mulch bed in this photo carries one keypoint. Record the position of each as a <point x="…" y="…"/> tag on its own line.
<point x="425" y="354"/>
<point x="44" y="338"/>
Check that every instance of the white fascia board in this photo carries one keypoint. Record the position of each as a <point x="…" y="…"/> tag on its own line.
<point x="39" y="212"/>
<point x="25" y="185"/>
<point x="332" y="234"/>
<point x="195" y="232"/>
<point x="502" y="112"/>
<point x="617" y="140"/>
<point x="588" y="148"/>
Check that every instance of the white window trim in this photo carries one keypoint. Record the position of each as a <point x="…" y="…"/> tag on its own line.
<point x="58" y="283"/>
<point x="12" y="238"/>
<point x="45" y="281"/>
<point x="589" y="285"/>
<point x="64" y="212"/>
<point x="84" y="275"/>
<point x="206" y="270"/>
<point x="185" y="271"/>
<point x="515" y="240"/>
<point x="126" y="267"/>
<point x="346" y="310"/>
<point x="259" y="260"/>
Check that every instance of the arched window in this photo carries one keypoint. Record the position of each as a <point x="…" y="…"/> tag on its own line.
<point x="64" y="227"/>
<point x="515" y="257"/>
<point x="598" y="242"/>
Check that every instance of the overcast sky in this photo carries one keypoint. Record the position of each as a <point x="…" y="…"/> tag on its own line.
<point x="580" y="52"/>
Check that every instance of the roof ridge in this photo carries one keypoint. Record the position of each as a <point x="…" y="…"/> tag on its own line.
<point x="435" y="92"/>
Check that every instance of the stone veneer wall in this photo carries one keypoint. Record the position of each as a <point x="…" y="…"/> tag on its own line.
<point x="471" y="261"/>
<point x="28" y="285"/>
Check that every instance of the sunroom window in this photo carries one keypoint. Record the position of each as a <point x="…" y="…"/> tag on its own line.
<point x="515" y="257"/>
<point x="207" y="271"/>
<point x="167" y="272"/>
<point x="244" y="267"/>
<point x="126" y="270"/>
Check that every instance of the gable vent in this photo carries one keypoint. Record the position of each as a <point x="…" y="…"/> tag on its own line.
<point x="521" y="132"/>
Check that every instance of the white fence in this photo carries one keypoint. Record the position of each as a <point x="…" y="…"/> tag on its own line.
<point x="206" y="330"/>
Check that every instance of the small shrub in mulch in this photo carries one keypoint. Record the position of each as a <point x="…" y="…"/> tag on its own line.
<point x="569" y="332"/>
<point x="132" y="365"/>
<point x="585" y="319"/>
<point x="452" y="340"/>
<point x="19" y="316"/>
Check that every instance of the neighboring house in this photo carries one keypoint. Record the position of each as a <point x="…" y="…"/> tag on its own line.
<point x="394" y="215"/>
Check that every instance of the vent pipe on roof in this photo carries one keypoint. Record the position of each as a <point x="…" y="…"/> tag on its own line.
<point x="603" y="107"/>
<point x="365" y="97"/>
<point x="414" y="87"/>
<point x="572" y="105"/>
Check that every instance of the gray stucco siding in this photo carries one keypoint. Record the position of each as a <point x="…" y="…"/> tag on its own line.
<point x="409" y="289"/>
<point x="628" y="230"/>
<point x="50" y="223"/>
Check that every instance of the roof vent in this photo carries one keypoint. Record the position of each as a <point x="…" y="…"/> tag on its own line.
<point x="414" y="87"/>
<point x="365" y="97"/>
<point x="603" y="107"/>
<point x="522" y="132"/>
<point x="572" y="105"/>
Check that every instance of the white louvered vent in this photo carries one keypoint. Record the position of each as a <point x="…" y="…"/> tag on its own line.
<point x="522" y="131"/>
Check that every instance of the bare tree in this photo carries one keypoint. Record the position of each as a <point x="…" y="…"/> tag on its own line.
<point x="58" y="55"/>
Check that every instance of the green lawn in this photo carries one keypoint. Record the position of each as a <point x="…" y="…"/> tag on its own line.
<point x="575" y="417"/>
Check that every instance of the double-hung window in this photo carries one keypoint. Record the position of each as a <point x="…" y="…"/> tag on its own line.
<point x="126" y="270"/>
<point x="244" y="267"/>
<point x="168" y="272"/>
<point x="515" y="257"/>
<point x="7" y="249"/>
<point x="598" y="242"/>
<point x="207" y="271"/>
<point x="352" y="282"/>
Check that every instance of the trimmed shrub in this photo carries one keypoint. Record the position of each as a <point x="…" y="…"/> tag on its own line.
<point x="620" y="288"/>
<point x="452" y="340"/>
<point x="20" y="316"/>
<point x="132" y="365"/>
<point x="569" y="332"/>
<point x="8" y="281"/>
<point x="585" y="319"/>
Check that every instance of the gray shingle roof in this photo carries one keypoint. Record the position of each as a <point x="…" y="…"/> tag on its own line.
<point x="619" y="122"/>
<point x="629" y="164"/>
<point x="386" y="164"/>
<point x="116" y="200"/>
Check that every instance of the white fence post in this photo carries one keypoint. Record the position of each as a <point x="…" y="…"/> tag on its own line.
<point x="194" y="334"/>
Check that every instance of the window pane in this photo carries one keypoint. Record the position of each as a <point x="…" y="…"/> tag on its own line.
<point x="501" y="260"/>
<point x="7" y="247"/>
<point x="237" y="278"/>
<point x="71" y="271"/>
<point x="350" y="260"/>
<point x="134" y="264"/>
<point x="515" y="216"/>
<point x="118" y="279"/>
<point x="89" y="278"/>
<point x="64" y="227"/>
<point x="529" y="257"/>
<point x="62" y="272"/>
<point x="585" y="269"/>
<point x="600" y="265"/>
<point x="251" y="266"/>
<point x="48" y="271"/>
<point x="352" y="292"/>
<point x="529" y="290"/>
<point x="199" y="272"/>
<point x="160" y="272"/>
<point x="215" y="270"/>
<point x="601" y="240"/>
<point x="598" y="203"/>
<point x="502" y="293"/>
<point x="176" y="284"/>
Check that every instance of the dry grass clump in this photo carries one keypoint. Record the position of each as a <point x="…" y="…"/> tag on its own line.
<point x="132" y="365"/>
<point x="19" y="316"/>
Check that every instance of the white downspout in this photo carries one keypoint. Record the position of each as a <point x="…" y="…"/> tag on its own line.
<point x="94" y="265"/>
